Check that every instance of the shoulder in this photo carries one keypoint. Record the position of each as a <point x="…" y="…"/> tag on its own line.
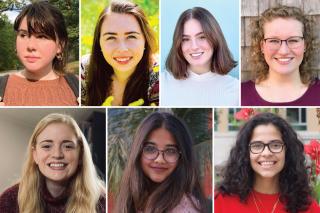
<point x="9" y="199"/>
<point x="247" y="85"/>
<point x="314" y="207"/>
<point x="188" y="202"/>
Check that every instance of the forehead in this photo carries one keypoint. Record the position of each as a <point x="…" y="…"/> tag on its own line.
<point x="265" y="132"/>
<point x="192" y="26"/>
<point x="161" y="137"/>
<point x="283" y="27"/>
<point x="120" y="23"/>
<point x="57" y="132"/>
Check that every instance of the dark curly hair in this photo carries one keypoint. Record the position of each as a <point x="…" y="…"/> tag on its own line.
<point x="238" y="179"/>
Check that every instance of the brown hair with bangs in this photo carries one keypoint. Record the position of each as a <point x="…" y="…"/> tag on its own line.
<point x="43" y="18"/>
<point x="222" y="61"/>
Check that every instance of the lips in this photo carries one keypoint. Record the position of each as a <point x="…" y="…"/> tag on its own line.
<point x="196" y="55"/>
<point x="31" y="59"/>
<point x="158" y="169"/>
<point x="267" y="164"/>
<point x="57" y="165"/>
<point x="284" y="60"/>
<point x="123" y="60"/>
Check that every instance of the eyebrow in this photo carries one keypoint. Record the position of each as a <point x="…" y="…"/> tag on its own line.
<point x="154" y="144"/>
<point x="126" y="33"/>
<point x="195" y="35"/>
<point x="276" y="140"/>
<point x="51" y="141"/>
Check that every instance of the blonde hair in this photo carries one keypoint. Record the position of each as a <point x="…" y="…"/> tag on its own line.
<point x="85" y="188"/>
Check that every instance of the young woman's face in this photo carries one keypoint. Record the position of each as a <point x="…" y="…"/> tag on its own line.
<point x="36" y="52"/>
<point x="267" y="164"/>
<point x="195" y="46"/>
<point x="159" y="165"/>
<point x="57" y="152"/>
<point x="283" y="60"/>
<point x="122" y="41"/>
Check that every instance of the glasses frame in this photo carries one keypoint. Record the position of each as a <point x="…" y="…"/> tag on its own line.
<point x="285" y="40"/>
<point x="158" y="153"/>
<point x="268" y="145"/>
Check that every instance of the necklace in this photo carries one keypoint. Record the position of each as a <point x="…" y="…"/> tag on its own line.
<point x="255" y="203"/>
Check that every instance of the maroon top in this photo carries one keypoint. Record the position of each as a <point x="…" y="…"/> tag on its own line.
<point x="250" y="96"/>
<point x="9" y="201"/>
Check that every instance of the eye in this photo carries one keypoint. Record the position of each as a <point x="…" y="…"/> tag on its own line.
<point x="22" y="34"/>
<point x="203" y="37"/>
<point x="150" y="149"/>
<point x="184" y="39"/>
<point x="276" y="145"/>
<point x="41" y="36"/>
<point x="110" y="38"/>
<point x="69" y="146"/>
<point x="256" y="145"/>
<point x="171" y="151"/>
<point x="273" y="41"/>
<point x="293" y="40"/>
<point x="132" y="37"/>
<point x="45" y="146"/>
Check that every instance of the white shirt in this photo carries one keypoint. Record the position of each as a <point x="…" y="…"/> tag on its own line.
<point x="207" y="89"/>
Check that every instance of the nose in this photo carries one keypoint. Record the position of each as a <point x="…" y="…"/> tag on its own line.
<point x="31" y="43"/>
<point x="194" y="44"/>
<point x="160" y="158"/>
<point x="266" y="151"/>
<point x="57" y="152"/>
<point x="122" y="46"/>
<point x="283" y="47"/>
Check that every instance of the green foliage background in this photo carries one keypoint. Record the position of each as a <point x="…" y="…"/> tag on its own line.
<point x="90" y="11"/>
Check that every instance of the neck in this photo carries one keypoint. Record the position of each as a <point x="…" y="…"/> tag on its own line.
<point x="48" y="74"/>
<point x="122" y="76"/>
<point x="282" y="80"/>
<point x="266" y="185"/>
<point x="55" y="188"/>
<point x="200" y="69"/>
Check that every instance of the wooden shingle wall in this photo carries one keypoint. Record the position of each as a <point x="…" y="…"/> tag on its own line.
<point x="250" y="10"/>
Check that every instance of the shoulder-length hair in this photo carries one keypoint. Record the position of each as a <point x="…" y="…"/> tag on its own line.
<point x="43" y="18"/>
<point x="85" y="181"/>
<point x="137" y="192"/>
<point x="261" y="68"/>
<point x="222" y="61"/>
<point x="238" y="176"/>
<point x="99" y="80"/>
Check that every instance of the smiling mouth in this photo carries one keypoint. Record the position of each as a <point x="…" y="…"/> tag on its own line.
<point x="267" y="164"/>
<point x="284" y="60"/>
<point x="196" y="55"/>
<point x="57" y="166"/>
<point x="122" y="60"/>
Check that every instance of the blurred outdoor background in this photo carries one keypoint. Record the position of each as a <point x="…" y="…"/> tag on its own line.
<point x="9" y="9"/>
<point x="122" y="124"/>
<point x="91" y="9"/>
<point x="306" y="122"/>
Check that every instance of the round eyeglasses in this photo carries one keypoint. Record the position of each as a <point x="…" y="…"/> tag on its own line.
<point x="292" y="42"/>
<point x="171" y="155"/>
<point x="258" y="147"/>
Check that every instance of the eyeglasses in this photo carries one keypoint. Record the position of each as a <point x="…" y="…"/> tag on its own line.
<point x="258" y="147"/>
<point x="292" y="42"/>
<point x="171" y="155"/>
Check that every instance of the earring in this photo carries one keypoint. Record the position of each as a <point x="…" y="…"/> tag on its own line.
<point x="59" y="56"/>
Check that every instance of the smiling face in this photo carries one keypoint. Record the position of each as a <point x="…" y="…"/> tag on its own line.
<point x="195" y="46"/>
<point x="57" y="152"/>
<point x="266" y="164"/>
<point x="159" y="169"/>
<point x="36" y="51"/>
<point x="283" y="61"/>
<point x="122" y="41"/>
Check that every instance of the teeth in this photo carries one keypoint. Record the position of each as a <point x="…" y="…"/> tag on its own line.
<point x="56" y="164"/>
<point x="195" y="54"/>
<point x="284" y="59"/>
<point x="267" y="163"/>
<point x="122" y="59"/>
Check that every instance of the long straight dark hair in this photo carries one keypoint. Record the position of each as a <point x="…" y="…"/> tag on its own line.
<point x="100" y="73"/>
<point x="139" y="193"/>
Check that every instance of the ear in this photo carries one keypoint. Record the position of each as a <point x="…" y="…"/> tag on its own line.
<point x="60" y="47"/>
<point x="35" y="155"/>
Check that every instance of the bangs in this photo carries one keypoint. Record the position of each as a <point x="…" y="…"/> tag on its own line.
<point x="39" y="25"/>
